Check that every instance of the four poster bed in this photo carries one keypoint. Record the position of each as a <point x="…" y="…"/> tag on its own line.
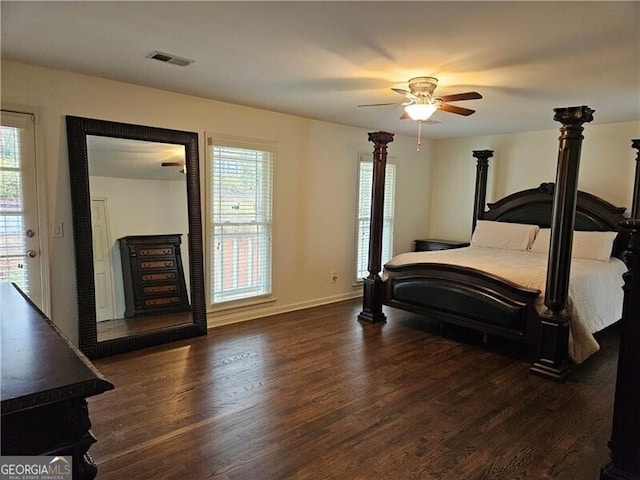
<point x="454" y="286"/>
<point x="498" y="290"/>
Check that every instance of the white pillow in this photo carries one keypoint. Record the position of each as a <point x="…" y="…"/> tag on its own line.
<point x="593" y="245"/>
<point x="510" y="236"/>
<point x="586" y="245"/>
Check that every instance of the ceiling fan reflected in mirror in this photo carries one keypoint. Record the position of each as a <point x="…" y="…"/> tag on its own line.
<point x="421" y="103"/>
<point x="183" y="170"/>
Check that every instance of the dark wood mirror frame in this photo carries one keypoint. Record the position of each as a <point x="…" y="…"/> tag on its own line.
<point x="77" y="130"/>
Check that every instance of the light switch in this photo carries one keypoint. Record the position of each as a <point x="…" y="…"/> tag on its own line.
<point x="58" y="230"/>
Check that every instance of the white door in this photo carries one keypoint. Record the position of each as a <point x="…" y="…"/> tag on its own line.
<point x="21" y="241"/>
<point x="102" y="270"/>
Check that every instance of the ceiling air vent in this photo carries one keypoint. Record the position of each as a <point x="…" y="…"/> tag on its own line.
<point x="169" y="58"/>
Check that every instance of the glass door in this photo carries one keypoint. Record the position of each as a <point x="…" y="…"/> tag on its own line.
<point x="20" y="238"/>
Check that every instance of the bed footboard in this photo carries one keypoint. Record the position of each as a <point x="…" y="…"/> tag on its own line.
<point x="466" y="297"/>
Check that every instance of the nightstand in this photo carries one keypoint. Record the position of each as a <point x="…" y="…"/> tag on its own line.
<point x="434" y="244"/>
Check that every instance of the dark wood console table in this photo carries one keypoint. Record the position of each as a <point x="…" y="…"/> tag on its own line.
<point x="45" y="383"/>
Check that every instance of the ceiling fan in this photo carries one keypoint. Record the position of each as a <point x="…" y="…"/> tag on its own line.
<point x="421" y="103"/>
<point x="176" y="164"/>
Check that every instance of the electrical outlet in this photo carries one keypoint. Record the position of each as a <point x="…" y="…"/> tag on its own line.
<point x="334" y="276"/>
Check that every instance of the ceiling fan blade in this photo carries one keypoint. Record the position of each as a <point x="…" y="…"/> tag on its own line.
<point x="401" y="91"/>
<point x="406" y="93"/>
<point x="378" y="104"/>
<point x="454" y="109"/>
<point x="460" y="96"/>
<point x="172" y="164"/>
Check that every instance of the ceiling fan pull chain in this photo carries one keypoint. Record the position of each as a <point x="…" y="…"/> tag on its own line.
<point x="419" y="133"/>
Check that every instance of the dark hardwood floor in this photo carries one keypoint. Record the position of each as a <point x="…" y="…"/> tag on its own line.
<point x="316" y="395"/>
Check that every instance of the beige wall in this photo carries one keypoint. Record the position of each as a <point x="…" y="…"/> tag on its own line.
<point x="524" y="160"/>
<point x="315" y="182"/>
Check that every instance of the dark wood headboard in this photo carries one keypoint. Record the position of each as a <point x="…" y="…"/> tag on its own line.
<point x="535" y="206"/>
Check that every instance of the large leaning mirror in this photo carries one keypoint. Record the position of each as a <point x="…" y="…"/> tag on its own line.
<point x="135" y="193"/>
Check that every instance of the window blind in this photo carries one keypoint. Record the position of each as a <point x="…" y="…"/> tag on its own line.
<point x="241" y="184"/>
<point x="365" y="186"/>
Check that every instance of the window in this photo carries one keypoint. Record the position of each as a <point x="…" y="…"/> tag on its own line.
<point x="240" y="220"/>
<point x="365" y="184"/>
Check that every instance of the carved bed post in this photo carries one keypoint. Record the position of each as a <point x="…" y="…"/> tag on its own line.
<point x="635" y="205"/>
<point x="480" y="199"/>
<point x="625" y="434"/>
<point x="372" y="295"/>
<point x="554" y="358"/>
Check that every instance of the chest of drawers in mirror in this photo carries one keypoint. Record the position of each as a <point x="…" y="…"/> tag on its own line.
<point x="153" y="274"/>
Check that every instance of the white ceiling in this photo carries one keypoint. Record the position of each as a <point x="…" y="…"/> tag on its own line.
<point x="134" y="159"/>
<point x="322" y="59"/>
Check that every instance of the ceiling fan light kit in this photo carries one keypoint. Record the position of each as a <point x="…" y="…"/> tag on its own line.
<point x="421" y="111"/>
<point x="422" y="104"/>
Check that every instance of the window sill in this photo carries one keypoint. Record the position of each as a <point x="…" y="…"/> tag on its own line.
<point x="239" y="304"/>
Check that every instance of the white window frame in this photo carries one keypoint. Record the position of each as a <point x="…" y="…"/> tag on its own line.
<point x="363" y="219"/>
<point x="246" y="298"/>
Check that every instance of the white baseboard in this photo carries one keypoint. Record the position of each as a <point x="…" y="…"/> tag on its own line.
<point x="242" y="315"/>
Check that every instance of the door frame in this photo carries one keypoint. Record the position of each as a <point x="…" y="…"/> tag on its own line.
<point x="41" y="197"/>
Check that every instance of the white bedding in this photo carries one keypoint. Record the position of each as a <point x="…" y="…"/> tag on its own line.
<point x="595" y="287"/>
